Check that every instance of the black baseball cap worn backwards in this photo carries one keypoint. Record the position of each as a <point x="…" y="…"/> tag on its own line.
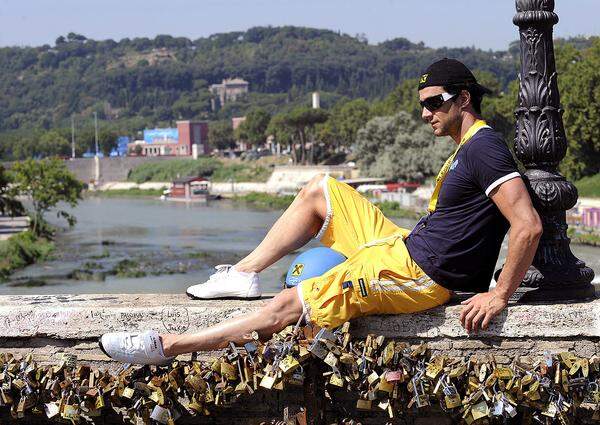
<point x="447" y="72"/>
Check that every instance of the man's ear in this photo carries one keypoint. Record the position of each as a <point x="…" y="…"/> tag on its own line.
<point x="464" y="98"/>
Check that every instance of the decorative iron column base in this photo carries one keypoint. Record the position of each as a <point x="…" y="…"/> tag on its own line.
<point x="562" y="294"/>
<point x="549" y="284"/>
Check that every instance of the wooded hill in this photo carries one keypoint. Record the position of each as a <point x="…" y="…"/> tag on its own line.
<point x="157" y="80"/>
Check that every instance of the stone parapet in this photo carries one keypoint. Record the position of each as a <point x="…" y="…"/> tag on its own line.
<point x="50" y="325"/>
<point x="46" y="325"/>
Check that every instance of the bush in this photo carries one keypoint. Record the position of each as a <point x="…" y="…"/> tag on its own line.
<point x="589" y="187"/>
<point x="265" y="200"/>
<point x="22" y="250"/>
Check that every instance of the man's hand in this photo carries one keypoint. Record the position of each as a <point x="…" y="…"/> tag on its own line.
<point x="481" y="308"/>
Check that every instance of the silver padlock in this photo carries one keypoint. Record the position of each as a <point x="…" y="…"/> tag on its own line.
<point x="498" y="409"/>
<point x="51" y="409"/>
<point x="297" y="377"/>
<point x="160" y="414"/>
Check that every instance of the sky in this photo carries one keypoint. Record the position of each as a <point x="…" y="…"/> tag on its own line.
<point x="486" y="24"/>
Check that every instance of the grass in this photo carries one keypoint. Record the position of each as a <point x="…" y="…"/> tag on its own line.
<point x="22" y="250"/>
<point x="196" y="255"/>
<point x="241" y="173"/>
<point x="589" y="187"/>
<point x="128" y="268"/>
<point x="211" y="168"/>
<point x="265" y="200"/>
<point x="133" y="192"/>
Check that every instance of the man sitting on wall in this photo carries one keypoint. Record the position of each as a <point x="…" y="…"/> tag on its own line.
<point x="478" y="195"/>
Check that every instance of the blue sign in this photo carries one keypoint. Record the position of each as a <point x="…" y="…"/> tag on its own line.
<point x="122" y="142"/>
<point x="161" y="135"/>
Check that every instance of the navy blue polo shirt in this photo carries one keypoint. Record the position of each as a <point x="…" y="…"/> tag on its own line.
<point x="458" y="244"/>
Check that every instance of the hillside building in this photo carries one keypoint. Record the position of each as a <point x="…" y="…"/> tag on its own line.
<point x="229" y="90"/>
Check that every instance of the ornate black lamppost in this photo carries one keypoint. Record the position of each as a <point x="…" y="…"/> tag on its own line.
<point x="540" y="144"/>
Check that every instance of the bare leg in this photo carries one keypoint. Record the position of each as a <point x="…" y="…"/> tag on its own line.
<point x="298" y="224"/>
<point x="283" y="310"/>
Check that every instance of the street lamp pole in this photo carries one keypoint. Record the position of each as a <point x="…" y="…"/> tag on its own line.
<point x="540" y="144"/>
<point x="96" y="131"/>
<point x="72" y="136"/>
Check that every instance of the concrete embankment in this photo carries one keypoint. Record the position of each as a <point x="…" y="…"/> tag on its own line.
<point x="12" y="225"/>
<point x="283" y="178"/>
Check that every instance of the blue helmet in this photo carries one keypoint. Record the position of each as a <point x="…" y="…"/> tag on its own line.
<point x="312" y="263"/>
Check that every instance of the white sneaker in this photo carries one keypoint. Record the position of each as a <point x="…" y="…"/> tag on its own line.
<point x="136" y="348"/>
<point x="227" y="283"/>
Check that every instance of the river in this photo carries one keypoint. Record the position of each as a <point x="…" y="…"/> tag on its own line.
<point x="171" y="245"/>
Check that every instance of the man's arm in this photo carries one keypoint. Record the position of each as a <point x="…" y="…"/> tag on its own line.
<point x="514" y="203"/>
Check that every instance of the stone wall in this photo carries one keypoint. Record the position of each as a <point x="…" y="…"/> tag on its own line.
<point x="48" y="324"/>
<point x="111" y="169"/>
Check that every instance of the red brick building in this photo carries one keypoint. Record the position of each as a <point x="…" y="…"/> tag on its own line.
<point x="174" y="141"/>
<point x="193" y="133"/>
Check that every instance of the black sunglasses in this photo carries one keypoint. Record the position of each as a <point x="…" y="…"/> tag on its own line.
<point x="434" y="103"/>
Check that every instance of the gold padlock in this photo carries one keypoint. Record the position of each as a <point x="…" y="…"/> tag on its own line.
<point x="288" y="364"/>
<point x="364" y="404"/>
<point x="267" y="381"/>
<point x="336" y="380"/>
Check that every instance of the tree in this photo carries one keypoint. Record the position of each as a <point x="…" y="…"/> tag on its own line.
<point x="398" y="147"/>
<point x="46" y="182"/>
<point x="344" y="122"/>
<point x="580" y="96"/>
<point x="253" y="129"/>
<point x="499" y="112"/>
<point x="52" y="143"/>
<point x="220" y="135"/>
<point x="9" y="205"/>
<point x="303" y="120"/>
<point x="107" y="140"/>
<point x="280" y="130"/>
<point x="403" y="98"/>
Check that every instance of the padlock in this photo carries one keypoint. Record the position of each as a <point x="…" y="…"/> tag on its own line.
<point x="160" y="414"/>
<point x="288" y="364"/>
<point x="51" y="409"/>
<point x="336" y="380"/>
<point x="297" y="377"/>
<point x="362" y="404"/>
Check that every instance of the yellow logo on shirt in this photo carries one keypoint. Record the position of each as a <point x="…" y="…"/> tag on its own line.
<point x="298" y="268"/>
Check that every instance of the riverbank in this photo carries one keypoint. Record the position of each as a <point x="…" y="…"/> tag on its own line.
<point x="217" y="170"/>
<point x="264" y="200"/>
<point x="22" y="250"/>
<point x="134" y="192"/>
<point x="280" y="202"/>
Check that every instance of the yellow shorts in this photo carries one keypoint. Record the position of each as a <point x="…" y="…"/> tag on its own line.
<point x="378" y="277"/>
